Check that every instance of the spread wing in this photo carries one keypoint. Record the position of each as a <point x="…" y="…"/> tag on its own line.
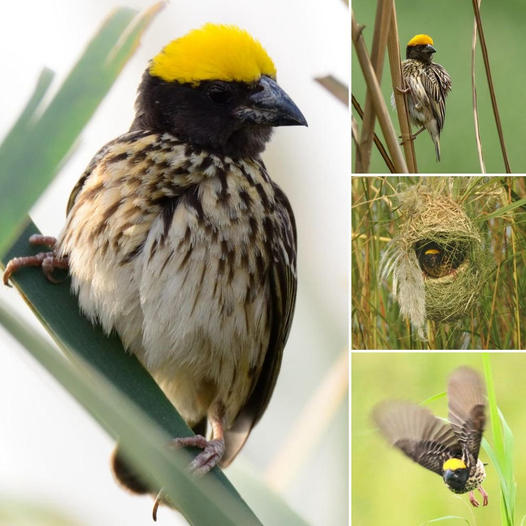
<point x="467" y="407"/>
<point x="414" y="430"/>
<point x="437" y="84"/>
<point x="283" y="298"/>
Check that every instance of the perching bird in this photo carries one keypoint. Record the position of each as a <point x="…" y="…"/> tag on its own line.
<point x="177" y="238"/>
<point x="450" y="449"/>
<point x="427" y="84"/>
<point x="438" y="260"/>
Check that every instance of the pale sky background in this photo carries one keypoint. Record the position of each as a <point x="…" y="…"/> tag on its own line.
<point x="51" y="450"/>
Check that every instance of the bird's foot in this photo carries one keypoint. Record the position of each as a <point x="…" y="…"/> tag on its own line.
<point x="411" y="137"/>
<point x="403" y="90"/>
<point x="475" y="502"/>
<point x="49" y="261"/>
<point x="213" y="451"/>
<point x="485" y="498"/>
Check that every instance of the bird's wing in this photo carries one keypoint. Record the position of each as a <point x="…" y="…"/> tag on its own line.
<point x="467" y="405"/>
<point x="98" y="157"/>
<point x="283" y="297"/>
<point x="414" y="430"/>
<point x="437" y="84"/>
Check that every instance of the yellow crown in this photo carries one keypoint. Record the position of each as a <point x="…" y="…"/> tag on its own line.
<point x="453" y="464"/>
<point x="432" y="251"/>
<point x="420" y="40"/>
<point x="214" y="52"/>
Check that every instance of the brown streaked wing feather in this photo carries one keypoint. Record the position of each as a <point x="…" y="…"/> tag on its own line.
<point x="283" y="298"/>
<point x="467" y="406"/>
<point x="77" y="188"/>
<point x="437" y="84"/>
<point x="128" y="137"/>
<point x="414" y="430"/>
<point x="80" y="183"/>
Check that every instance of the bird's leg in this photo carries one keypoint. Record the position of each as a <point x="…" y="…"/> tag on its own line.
<point x="213" y="450"/>
<point x="413" y="136"/>
<point x="484" y="495"/>
<point x="473" y="500"/>
<point x="49" y="261"/>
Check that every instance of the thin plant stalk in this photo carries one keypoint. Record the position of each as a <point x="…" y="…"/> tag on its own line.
<point x="492" y="312"/>
<point x="474" y="97"/>
<point x="378" y="101"/>
<point x="400" y="96"/>
<point x="336" y="87"/>
<point x="355" y="134"/>
<point x="494" y="105"/>
<point x="381" y="30"/>
<point x="312" y="424"/>
<point x="378" y="143"/>
<point x="516" y="309"/>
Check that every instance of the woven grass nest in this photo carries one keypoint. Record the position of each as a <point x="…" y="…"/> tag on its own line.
<point x="437" y="259"/>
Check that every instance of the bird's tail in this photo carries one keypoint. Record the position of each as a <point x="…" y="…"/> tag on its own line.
<point x="436" y="140"/>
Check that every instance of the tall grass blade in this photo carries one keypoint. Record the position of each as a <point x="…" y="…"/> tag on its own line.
<point x="501" y="453"/>
<point x="32" y="153"/>
<point x="447" y="518"/>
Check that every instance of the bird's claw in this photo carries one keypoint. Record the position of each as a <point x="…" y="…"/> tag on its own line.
<point x="475" y="502"/>
<point x="213" y="451"/>
<point x="49" y="261"/>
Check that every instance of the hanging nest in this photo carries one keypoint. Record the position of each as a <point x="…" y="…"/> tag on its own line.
<point x="437" y="260"/>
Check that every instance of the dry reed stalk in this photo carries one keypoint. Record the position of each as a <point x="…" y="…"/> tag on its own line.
<point x="492" y="312"/>
<point x="400" y="98"/>
<point x="334" y="86"/>
<point x="381" y="30"/>
<point x="496" y="113"/>
<point x="311" y="425"/>
<point x="378" y="101"/>
<point x="377" y="141"/>
<point x="474" y="97"/>
<point x="516" y="303"/>
<point x="355" y="134"/>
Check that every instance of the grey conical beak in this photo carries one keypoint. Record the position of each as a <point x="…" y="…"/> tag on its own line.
<point x="270" y="106"/>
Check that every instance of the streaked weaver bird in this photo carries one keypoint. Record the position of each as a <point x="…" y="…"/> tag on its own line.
<point x="431" y="260"/>
<point x="438" y="260"/>
<point x="177" y="238"/>
<point x="448" y="448"/>
<point x="427" y="86"/>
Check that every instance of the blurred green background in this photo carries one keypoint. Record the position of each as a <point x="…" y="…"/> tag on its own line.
<point x="390" y="489"/>
<point x="450" y="24"/>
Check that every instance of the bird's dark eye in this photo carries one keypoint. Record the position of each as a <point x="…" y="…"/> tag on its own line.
<point x="219" y="93"/>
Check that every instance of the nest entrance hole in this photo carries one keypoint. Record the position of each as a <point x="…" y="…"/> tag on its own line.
<point x="439" y="258"/>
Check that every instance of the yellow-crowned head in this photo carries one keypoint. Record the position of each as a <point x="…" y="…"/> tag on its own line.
<point x="216" y="88"/>
<point x="420" y="47"/>
<point x="455" y="474"/>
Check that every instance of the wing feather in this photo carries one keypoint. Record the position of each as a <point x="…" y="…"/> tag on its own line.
<point x="414" y="430"/>
<point x="282" y="278"/>
<point x="437" y="84"/>
<point x="467" y="408"/>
